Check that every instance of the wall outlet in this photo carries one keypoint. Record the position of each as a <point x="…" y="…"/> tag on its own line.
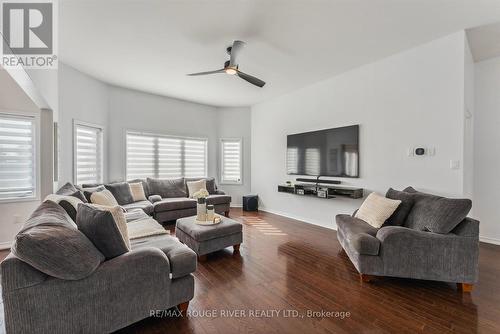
<point x="17" y="219"/>
<point x="454" y="164"/>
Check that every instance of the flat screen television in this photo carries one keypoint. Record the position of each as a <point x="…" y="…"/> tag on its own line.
<point x="330" y="152"/>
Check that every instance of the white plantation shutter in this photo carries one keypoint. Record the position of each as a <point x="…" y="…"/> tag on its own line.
<point x="88" y="154"/>
<point x="17" y="157"/>
<point x="159" y="156"/>
<point x="231" y="161"/>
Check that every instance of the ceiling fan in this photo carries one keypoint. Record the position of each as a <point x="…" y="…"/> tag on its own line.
<point x="231" y="66"/>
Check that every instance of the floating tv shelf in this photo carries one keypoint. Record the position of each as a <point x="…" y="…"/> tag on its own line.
<point x="320" y="191"/>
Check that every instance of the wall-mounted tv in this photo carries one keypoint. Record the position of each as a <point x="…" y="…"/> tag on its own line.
<point x="330" y="152"/>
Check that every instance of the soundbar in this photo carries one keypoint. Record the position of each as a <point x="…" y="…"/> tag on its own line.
<point x="300" y="179"/>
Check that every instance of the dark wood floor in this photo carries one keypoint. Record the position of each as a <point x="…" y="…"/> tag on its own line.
<point x="288" y="265"/>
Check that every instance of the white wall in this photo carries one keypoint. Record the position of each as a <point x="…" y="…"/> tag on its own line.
<point x="235" y="123"/>
<point x="486" y="153"/>
<point x="134" y="110"/>
<point x="81" y="98"/>
<point x="412" y="98"/>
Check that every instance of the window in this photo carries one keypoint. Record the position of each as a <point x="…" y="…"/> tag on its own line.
<point x="88" y="152"/>
<point x="17" y="157"/>
<point x="231" y="161"/>
<point x="159" y="156"/>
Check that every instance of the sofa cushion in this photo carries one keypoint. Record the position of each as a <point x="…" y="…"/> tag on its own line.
<point x="67" y="189"/>
<point x="68" y="203"/>
<point x="376" y="209"/>
<point x="182" y="259"/>
<point x="146" y="206"/>
<point x="50" y="242"/>
<point x="104" y="197"/>
<point x="399" y="216"/>
<point x="167" y="188"/>
<point x="195" y="186"/>
<point x="435" y="213"/>
<point x="137" y="191"/>
<point x="358" y="235"/>
<point x="218" y="199"/>
<point x="179" y="203"/>
<point x="210" y="183"/>
<point x="121" y="192"/>
<point x="106" y="227"/>
<point x="87" y="191"/>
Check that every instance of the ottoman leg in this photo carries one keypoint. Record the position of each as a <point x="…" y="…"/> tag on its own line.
<point x="202" y="258"/>
<point x="226" y="213"/>
<point x="236" y="248"/>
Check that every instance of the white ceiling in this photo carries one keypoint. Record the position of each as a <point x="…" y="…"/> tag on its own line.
<point x="484" y="41"/>
<point x="152" y="45"/>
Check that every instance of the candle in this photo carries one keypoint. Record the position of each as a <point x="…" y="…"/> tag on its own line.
<point x="210" y="213"/>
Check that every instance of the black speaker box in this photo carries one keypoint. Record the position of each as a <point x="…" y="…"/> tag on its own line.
<point x="250" y="203"/>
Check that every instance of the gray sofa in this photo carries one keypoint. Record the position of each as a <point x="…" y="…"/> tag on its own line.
<point x="432" y="240"/>
<point x="168" y="198"/>
<point x="68" y="293"/>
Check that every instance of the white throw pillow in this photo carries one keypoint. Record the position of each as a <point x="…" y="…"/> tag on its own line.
<point x="376" y="209"/>
<point x="137" y="191"/>
<point x="194" y="186"/>
<point x="104" y="197"/>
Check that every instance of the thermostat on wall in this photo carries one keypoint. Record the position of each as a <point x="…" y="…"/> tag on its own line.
<point x="419" y="151"/>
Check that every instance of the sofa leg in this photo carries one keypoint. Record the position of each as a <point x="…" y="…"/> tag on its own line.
<point x="366" y="278"/>
<point x="226" y="213"/>
<point x="183" y="308"/>
<point x="202" y="258"/>
<point x="236" y="248"/>
<point x="465" y="287"/>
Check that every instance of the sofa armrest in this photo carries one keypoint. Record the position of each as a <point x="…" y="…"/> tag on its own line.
<point x="427" y="255"/>
<point x="17" y="274"/>
<point x="154" y="198"/>
<point x="219" y="192"/>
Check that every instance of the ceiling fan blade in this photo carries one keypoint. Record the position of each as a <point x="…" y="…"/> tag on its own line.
<point x="253" y="80"/>
<point x="205" y="73"/>
<point x="235" y="50"/>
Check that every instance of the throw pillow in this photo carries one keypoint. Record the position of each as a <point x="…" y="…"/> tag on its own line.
<point x="78" y="194"/>
<point x="167" y="188"/>
<point x="50" y="242"/>
<point x="435" y="213"/>
<point x="137" y="191"/>
<point x="106" y="227"/>
<point x="195" y="186"/>
<point x="87" y="192"/>
<point x="67" y="189"/>
<point x="376" y="209"/>
<point x="104" y="197"/>
<point x="210" y="184"/>
<point x="68" y="203"/>
<point x="121" y="192"/>
<point x="399" y="216"/>
<point x="154" y="198"/>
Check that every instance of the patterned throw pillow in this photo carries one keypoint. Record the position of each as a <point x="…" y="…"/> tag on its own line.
<point x="104" y="197"/>
<point x="376" y="209"/>
<point x="137" y="191"/>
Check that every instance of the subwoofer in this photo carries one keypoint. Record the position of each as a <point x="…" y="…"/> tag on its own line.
<point x="250" y="203"/>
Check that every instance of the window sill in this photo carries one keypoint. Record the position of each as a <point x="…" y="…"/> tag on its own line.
<point x="19" y="200"/>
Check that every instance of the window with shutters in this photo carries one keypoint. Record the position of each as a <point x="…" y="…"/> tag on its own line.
<point x="159" y="156"/>
<point x="231" y="153"/>
<point x="88" y="153"/>
<point x="17" y="158"/>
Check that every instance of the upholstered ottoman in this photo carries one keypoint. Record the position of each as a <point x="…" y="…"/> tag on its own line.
<point x="207" y="239"/>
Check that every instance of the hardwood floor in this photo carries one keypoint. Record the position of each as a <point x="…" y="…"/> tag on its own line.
<point x="288" y="265"/>
<point x="294" y="267"/>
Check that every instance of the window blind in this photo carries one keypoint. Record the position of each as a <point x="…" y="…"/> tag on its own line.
<point x="159" y="156"/>
<point x="17" y="157"/>
<point x="88" y="150"/>
<point x="231" y="161"/>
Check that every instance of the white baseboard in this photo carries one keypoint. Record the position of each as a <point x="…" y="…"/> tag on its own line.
<point x="236" y="205"/>
<point x="488" y="240"/>
<point x="333" y="226"/>
<point x="5" y="245"/>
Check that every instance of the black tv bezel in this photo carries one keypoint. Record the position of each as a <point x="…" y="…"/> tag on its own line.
<point x="326" y="129"/>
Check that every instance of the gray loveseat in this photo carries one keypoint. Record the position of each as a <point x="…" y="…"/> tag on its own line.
<point x="168" y="199"/>
<point x="408" y="247"/>
<point x="65" y="285"/>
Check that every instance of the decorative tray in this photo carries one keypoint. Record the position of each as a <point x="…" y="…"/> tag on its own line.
<point x="217" y="220"/>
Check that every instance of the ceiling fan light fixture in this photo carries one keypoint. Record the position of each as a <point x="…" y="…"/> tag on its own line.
<point x="230" y="71"/>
